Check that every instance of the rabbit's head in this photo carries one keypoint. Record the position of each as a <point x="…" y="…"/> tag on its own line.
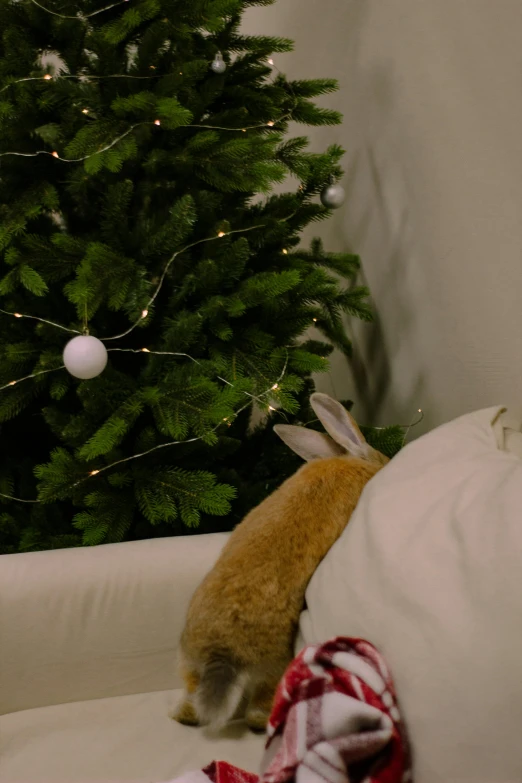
<point x="344" y="438"/>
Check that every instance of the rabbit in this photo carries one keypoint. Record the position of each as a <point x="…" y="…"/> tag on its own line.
<point x="242" y="620"/>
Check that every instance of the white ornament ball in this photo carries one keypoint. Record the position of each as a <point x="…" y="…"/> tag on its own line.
<point x="85" y="356"/>
<point x="333" y="196"/>
<point x="218" y="64"/>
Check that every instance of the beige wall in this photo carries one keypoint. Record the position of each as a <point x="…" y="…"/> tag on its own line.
<point x="432" y="96"/>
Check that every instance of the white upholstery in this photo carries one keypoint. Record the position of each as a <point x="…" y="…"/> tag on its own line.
<point x="429" y="570"/>
<point x="117" y="740"/>
<point x="88" y="642"/>
<point x="89" y="623"/>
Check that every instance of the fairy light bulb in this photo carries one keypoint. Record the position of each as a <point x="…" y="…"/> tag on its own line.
<point x="48" y="77"/>
<point x="275" y="386"/>
<point x="93" y="472"/>
<point x="285" y="251"/>
<point x="55" y="154"/>
<point x="144" y="313"/>
<point x="270" y="61"/>
<point x="221" y="234"/>
<point x="157" y="122"/>
<point x="12" y="383"/>
<point x="145" y="350"/>
<point x="18" y="315"/>
<point x="85" y="111"/>
<point x="314" y="320"/>
<point x="271" y="124"/>
<point x="271" y="408"/>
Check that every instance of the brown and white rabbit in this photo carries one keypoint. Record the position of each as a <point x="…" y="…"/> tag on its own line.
<point x="242" y="620"/>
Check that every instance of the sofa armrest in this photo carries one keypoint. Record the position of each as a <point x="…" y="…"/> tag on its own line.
<point x="88" y="623"/>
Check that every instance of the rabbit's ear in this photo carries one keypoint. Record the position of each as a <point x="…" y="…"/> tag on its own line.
<point x="308" y="443"/>
<point x="340" y="425"/>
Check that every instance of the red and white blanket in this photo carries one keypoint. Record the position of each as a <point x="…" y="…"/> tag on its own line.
<point x="335" y="720"/>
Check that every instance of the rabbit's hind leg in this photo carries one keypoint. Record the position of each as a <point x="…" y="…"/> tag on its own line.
<point x="185" y="712"/>
<point x="262" y="698"/>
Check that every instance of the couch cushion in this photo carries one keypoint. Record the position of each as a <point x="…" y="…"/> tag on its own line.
<point x="124" y="738"/>
<point x="429" y="570"/>
<point x="96" y="622"/>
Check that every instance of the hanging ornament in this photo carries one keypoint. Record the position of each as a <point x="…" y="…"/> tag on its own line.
<point x="218" y="64"/>
<point x="85" y="356"/>
<point x="333" y="196"/>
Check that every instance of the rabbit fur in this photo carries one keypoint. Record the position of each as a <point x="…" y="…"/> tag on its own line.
<point x="242" y="620"/>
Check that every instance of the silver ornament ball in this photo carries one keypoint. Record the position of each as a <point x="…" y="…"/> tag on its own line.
<point x="333" y="196"/>
<point x="85" y="356"/>
<point x="218" y="64"/>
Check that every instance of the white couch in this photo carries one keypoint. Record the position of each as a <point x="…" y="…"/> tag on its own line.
<point x="428" y="570"/>
<point x="88" y="643"/>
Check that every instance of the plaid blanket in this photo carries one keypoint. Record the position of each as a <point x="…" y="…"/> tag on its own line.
<point x="335" y="720"/>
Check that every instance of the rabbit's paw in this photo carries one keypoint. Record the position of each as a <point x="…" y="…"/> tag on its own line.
<point x="185" y="714"/>
<point x="256" y="720"/>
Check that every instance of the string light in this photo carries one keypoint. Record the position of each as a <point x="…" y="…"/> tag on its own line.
<point x="85" y="111"/>
<point x="275" y="386"/>
<point x="166" y="269"/>
<point x="79" y="17"/>
<point x="191" y="358"/>
<point x="49" y="77"/>
<point x="174" y="442"/>
<point x="271" y="408"/>
<point x="154" y="448"/>
<point x="74" y="160"/>
<point x="412" y="423"/>
<point x="270" y="61"/>
<point x="314" y="320"/>
<point x="32" y="375"/>
<point x="41" y="320"/>
<point x="285" y="251"/>
<point x="145" y="311"/>
<point x="126" y="133"/>
<point x="221" y="234"/>
<point x="81" y="77"/>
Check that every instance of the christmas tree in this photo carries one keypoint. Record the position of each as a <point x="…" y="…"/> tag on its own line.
<point x="140" y="144"/>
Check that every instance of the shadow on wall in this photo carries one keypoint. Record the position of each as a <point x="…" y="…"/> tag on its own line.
<point x="380" y="377"/>
<point x="378" y="348"/>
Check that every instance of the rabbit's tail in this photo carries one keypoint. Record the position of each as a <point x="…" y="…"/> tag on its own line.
<point x="221" y="687"/>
